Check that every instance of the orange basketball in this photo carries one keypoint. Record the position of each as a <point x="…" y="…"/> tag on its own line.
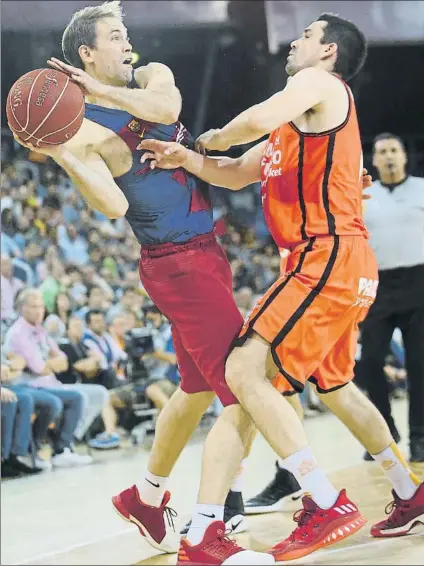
<point x="45" y="107"/>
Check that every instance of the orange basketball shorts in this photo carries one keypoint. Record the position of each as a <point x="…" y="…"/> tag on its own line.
<point x="310" y="315"/>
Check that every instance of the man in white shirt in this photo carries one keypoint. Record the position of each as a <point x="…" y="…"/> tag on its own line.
<point x="394" y="217"/>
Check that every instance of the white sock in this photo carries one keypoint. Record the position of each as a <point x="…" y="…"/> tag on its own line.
<point x="203" y="516"/>
<point x="311" y="478"/>
<point x="404" y="481"/>
<point x="237" y="484"/>
<point x="152" y="489"/>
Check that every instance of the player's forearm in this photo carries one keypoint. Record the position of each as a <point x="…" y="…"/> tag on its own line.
<point x="99" y="192"/>
<point x="245" y="128"/>
<point x="153" y="104"/>
<point x="218" y="171"/>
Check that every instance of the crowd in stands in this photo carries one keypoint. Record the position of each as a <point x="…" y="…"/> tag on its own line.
<point x="86" y="356"/>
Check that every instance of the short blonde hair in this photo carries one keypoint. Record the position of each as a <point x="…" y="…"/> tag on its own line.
<point x="81" y="30"/>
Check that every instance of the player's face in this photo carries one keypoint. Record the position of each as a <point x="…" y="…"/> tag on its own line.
<point x="112" y="55"/>
<point x="307" y="51"/>
<point x="389" y="157"/>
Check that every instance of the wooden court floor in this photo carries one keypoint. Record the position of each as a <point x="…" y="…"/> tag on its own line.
<point x="66" y="518"/>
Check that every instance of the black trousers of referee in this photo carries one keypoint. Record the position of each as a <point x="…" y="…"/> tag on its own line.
<point x="399" y="304"/>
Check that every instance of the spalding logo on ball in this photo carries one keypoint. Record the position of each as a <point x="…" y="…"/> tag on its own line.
<point x="45" y="107"/>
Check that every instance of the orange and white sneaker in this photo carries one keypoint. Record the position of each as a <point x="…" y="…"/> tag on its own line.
<point x="318" y="528"/>
<point x="216" y="549"/>
<point x="156" y="524"/>
<point x="404" y="516"/>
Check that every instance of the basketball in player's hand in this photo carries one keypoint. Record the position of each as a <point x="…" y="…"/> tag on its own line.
<point x="45" y="107"/>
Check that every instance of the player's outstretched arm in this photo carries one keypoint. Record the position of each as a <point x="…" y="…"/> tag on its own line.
<point x="304" y="91"/>
<point x="234" y="174"/>
<point x="90" y="175"/>
<point x="158" y="100"/>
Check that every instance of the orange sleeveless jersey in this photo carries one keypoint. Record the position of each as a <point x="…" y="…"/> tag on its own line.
<point x="312" y="183"/>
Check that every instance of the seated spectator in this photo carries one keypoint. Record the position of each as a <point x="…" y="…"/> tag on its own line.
<point x="50" y="287"/>
<point x="162" y="361"/>
<point x="10" y="286"/>
<point x="133" y="321"/>
<point x="84" y="366"/>
<point x="92" y="279"/>
<point x="96" y="301"/>
<point x="55" y="324"/>
<point x="132" y="279"/>
<point x="27" y="338"/>
<point x="121" y="323"/>
<point x="71" y="208"/>
<point x="32" y="255"/>
<point x="76" y="288"/>
<point x="131" y="300"/>
<point x="16" y="413"/>
<point x="73" y="246"/>
<point x="111" y="278"/>
<point x="96" y="338"/>
<point x="23" y="271"/>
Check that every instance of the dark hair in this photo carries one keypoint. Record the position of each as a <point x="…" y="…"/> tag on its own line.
<point x="72" y="269"/>
<point x="388" y="136"/>
<point x="56" y="308"/>
<point x="52" y="201"/>
<point x="351" y="44"/>
<point x="91" y="313"/>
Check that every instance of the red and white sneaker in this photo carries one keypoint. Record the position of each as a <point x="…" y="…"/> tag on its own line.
<point x="403" y="516"/>
<point x="319" y="527"/>
<point x="150" y="520"/>
<point x="216" y="549"/>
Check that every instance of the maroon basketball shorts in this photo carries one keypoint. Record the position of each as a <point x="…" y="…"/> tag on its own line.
<point x="191" y="284"/>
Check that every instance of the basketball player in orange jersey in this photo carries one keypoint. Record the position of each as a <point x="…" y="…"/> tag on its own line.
<point x="306" y="325"/>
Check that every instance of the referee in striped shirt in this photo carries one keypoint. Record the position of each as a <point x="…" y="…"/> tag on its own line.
<point x="394" y="217"/>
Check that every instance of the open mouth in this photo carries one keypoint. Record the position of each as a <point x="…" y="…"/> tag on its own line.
<point x="128" y="60"/>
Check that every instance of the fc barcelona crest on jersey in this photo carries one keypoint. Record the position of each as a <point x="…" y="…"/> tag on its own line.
<point x="134" y="126"/>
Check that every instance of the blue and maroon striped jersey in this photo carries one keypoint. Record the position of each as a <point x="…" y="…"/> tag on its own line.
<point x="164" y="205"/>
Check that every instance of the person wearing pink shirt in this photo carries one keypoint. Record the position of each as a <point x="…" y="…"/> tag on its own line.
<point x="27" y="338"/>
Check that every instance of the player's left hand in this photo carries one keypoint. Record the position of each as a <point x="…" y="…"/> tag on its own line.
<point x="88" y="84"/>
<point x="53" y="151"/>
<point x="366" y="183"/>
<point x="211" y="140"/>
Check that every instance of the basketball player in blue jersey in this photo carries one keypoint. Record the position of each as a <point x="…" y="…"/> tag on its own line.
<point x="182" y="267"/>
